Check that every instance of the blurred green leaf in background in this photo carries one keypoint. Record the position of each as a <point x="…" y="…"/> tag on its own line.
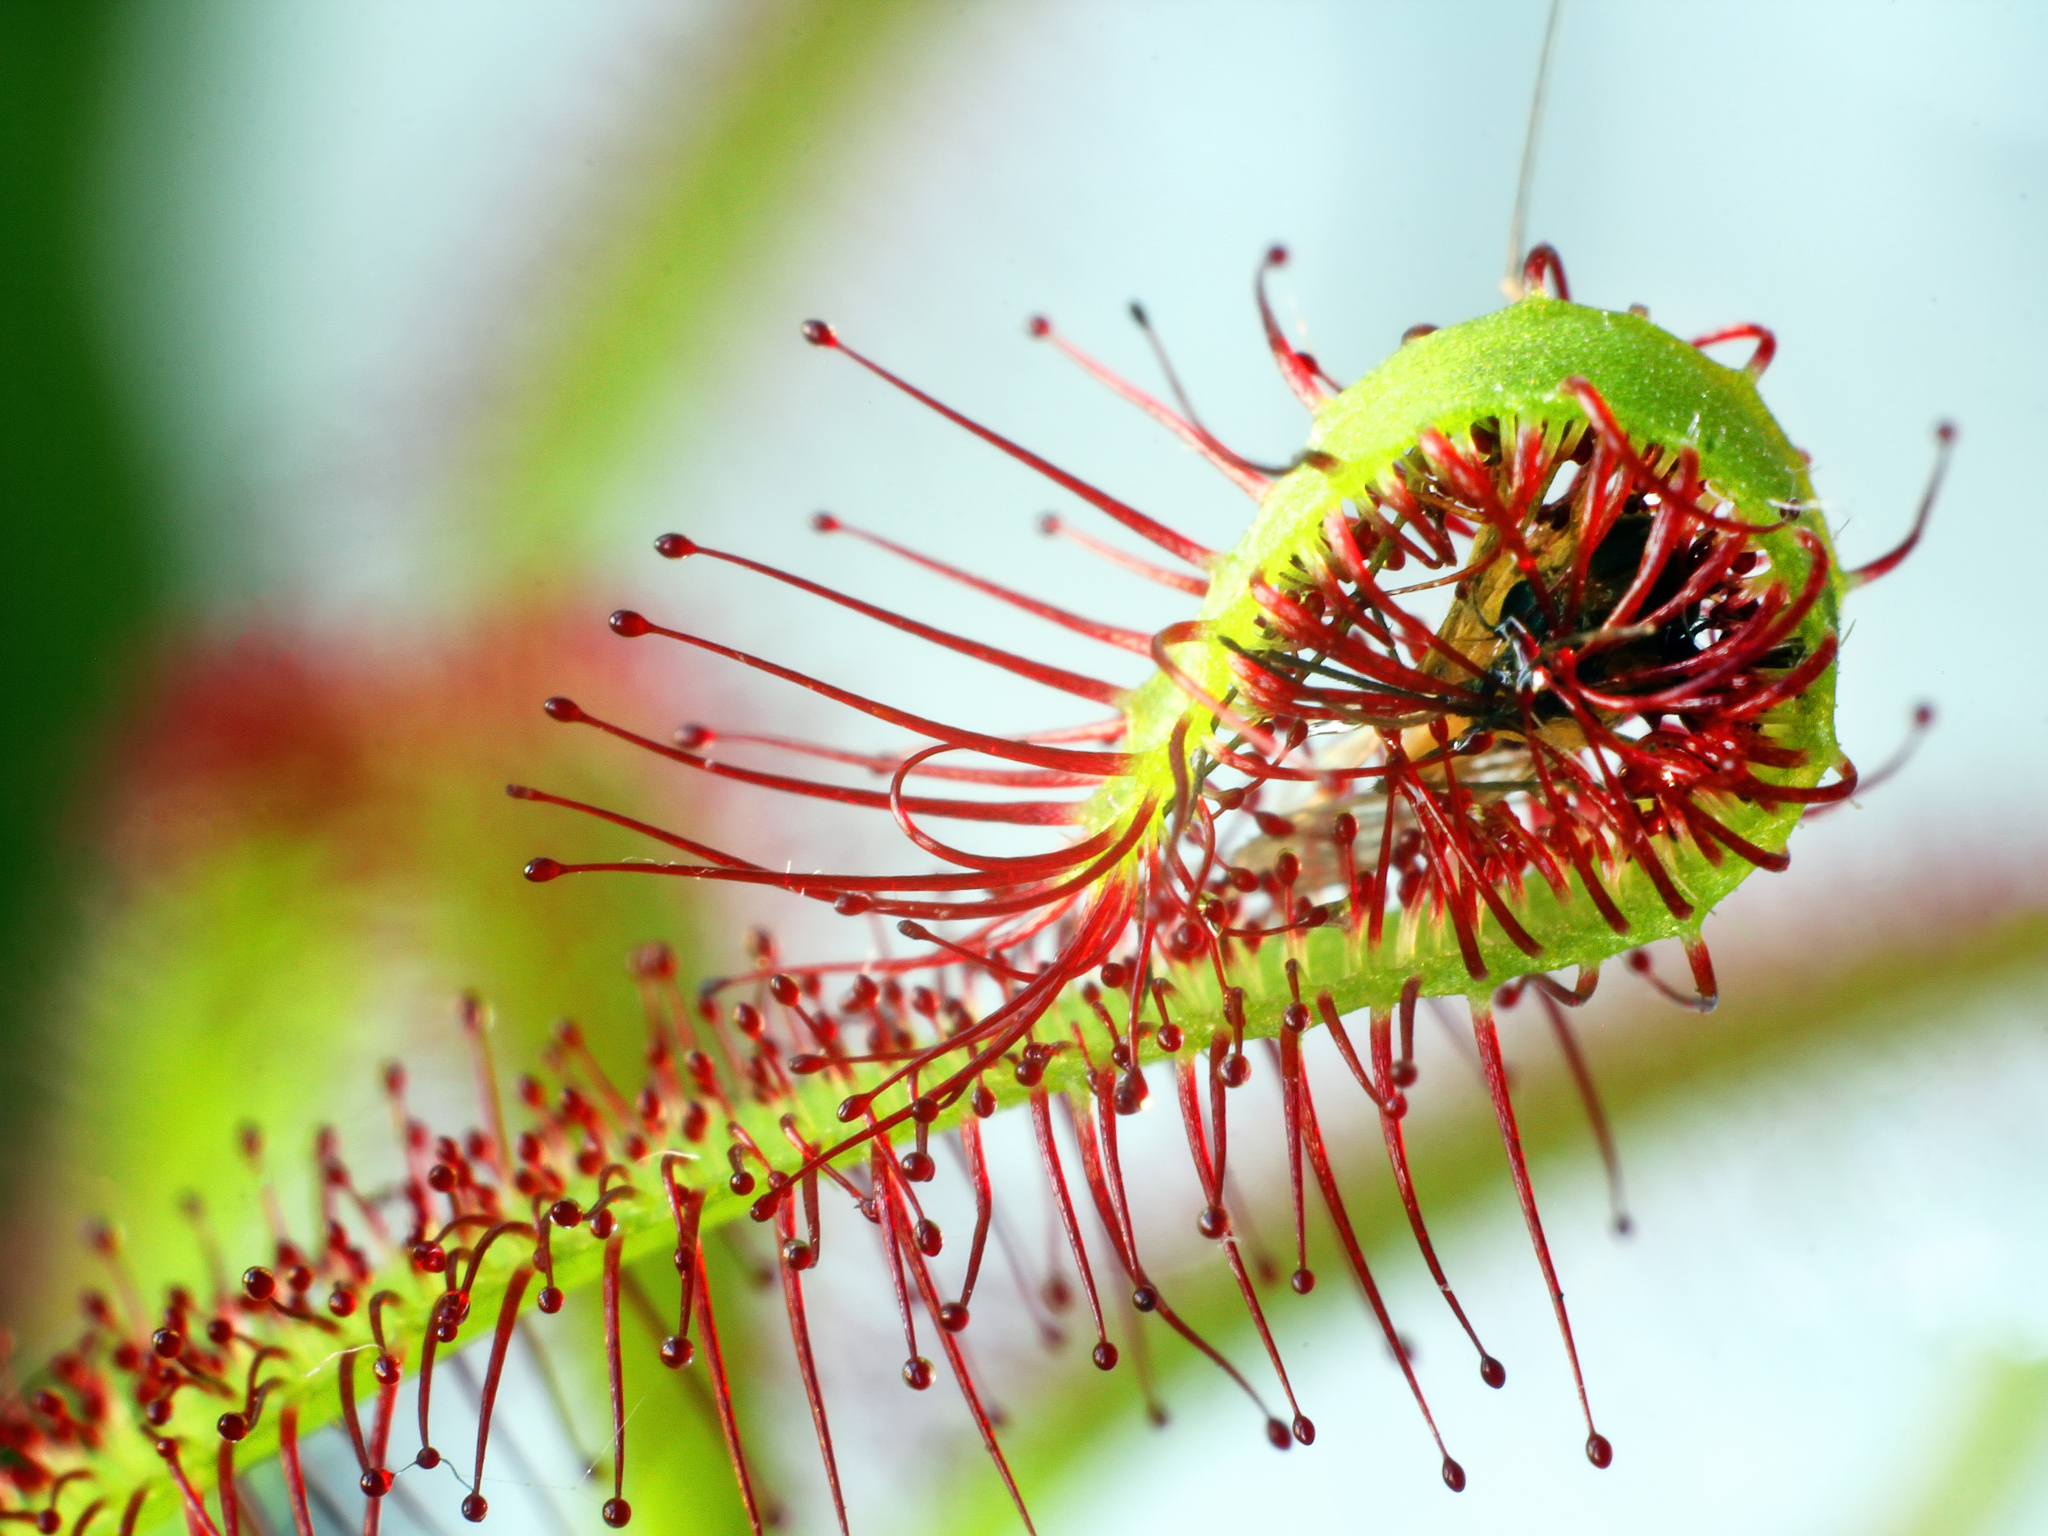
<point x="84" y="551"/>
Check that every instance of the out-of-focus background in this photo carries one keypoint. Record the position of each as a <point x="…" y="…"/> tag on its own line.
<point x="355" y="353"/>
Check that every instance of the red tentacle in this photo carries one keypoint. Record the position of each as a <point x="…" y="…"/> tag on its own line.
<point x="675" y="546"/>
<point x="1133" y="640"/>
<point x="822" y="335"/>
<point x="294" y="1473"/>
<point x="807" y="1365"/>
<point x="1598" y="1450"/>
<point x="721" y="1390"/>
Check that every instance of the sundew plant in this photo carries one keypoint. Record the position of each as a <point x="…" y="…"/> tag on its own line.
<point x="1521" y="655"/>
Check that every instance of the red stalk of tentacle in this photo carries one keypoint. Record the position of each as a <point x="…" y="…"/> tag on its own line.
<point x="1627" y="820"/>
<point x="1515" y="839"/>
<point x="380" y="1441"/>
<point x="1063" y="1201"/>
<point x="1276" y="693"/>
<point x="1194" y="586"/>
<point x="1404" y="548"/>
<point x="1944" y="437"/>
<point x="1598" y="1450"/>
<point x="814" y="1236"/>
<point x="1420" y="636"/>
<point x="721" y="1390"/>
<point x="1589" y="1098"/>
<point x="807" y="1365"/>
<point x="1293" y="1021"/>
<point x="1460" y="841"/>
<point x="1198" y="1143"/>
<point x="345" y="1380"/>
<point x="1702" y="965"/>
<point x="995" y="967"/>
<point x="1184" y="633"/>
<point x="1543" y="263"/>
<point x="1105" y="1173"/>
<point x="1476" y="485"/>
<point x="1001" y="1029"/>
<point x="999" y="933"/>
<point x="1241" y="473"/>
<point x="808" y="884"/>
<point x="1227" y="1069"/>
<point x="1256" y="768"/>
<point x="1679" y="491"/>
<point x="1574" y="996"/>
<point x="1152" y="531"/>
<point x="1047" y="901"/>
<point x="1101" y="730"/>
<point x="1343" y="607"/>
<point x="1772" y="694"/>
<point x="1667" y="532"/>
<point x="616" y="1511"/>
<point x="294" y="1473"/>
<point x="474" y="1506"/>
<point x="894" y="1196"/>
<point x="430" y="1338"/>
<point x="646" y="829"/>
<point x="1109" y="634"/>
<point x="1032" y="899"/>
<point x="498" y="1230"/>
<point x="1296" y="367"/>
<point x="1027" y="867"/>
<point x="1376" y="897"/>
<point x="224" y="1488"/>
<point x="1705" y="827"/>
<point x="1752" y="788"/>
<point x="1759" y="360"/>
<point x="1457" y="838"/>
<point x="1490" y="1369"/>
<point x="1458" y="898"/>
<point x="196" y="1516"/>
<point x="1394" y="491"/>
<point x="462" y="1224"/>
<point x="1385" y="1097"/>
<point x="1564" y="820"/>
<point x="1105" y="1186"/>
<point x="686" y="1205"/>
<point x="695" y="737"/>
<point x="1606" y="494"/>
<point x="1008" y="661"/>
<point x="917" y="1371"/>
<point x="130" y="1512"/>
<point x="1301" y="1426"/>
<point x="984" y="1200"/>
<point x="1333" y="1201"/>
<point x="1418" y="689"/>
<point x="1024" y="812"/>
